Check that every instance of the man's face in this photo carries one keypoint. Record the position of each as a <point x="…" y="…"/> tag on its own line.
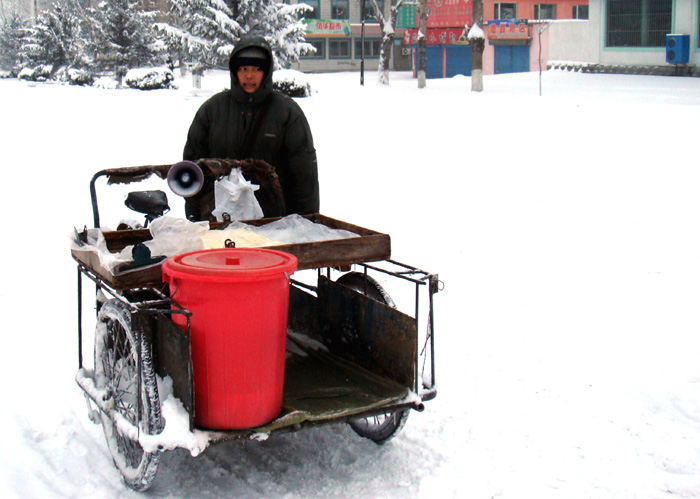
<point x="250" y="78"/>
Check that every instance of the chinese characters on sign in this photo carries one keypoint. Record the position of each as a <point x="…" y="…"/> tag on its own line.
<point x="445" y="36"/>
<point x="407" y="16"/>
<point x="508" y="29"/>
<point x="449" y="13"/>
<point x="324" y="27"/>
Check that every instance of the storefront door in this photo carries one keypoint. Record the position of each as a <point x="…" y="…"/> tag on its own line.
<point x="511" y="59"/>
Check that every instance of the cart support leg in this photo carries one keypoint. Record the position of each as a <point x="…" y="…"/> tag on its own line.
<point x="432" y="287"/>
<point x="80" y="318"/>
<point x="418" y="376"/>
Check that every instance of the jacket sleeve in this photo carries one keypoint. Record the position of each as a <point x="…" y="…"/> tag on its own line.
<point x="302" y="190"/>
<point x="197" y="145"/>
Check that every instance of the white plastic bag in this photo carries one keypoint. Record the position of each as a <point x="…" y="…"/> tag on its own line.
<point x="173" y="236"/>
<point x="236" y="196"/>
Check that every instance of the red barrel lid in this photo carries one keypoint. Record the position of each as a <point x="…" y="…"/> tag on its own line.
<point x="232" y="262"/>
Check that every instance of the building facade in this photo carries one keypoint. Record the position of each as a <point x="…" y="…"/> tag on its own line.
<point x="516" y="35"/>
<point x="25" y="9"/>
<point x="633" y="32"/>
<point x="334" y="27"/>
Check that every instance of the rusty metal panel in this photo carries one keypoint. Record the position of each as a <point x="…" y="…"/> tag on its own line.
<point x="303" y="312"/>
<point x="368" y="333"/>
<point x="173" y="357"/>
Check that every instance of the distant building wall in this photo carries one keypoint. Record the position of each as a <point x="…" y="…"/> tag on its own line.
<point x="571" y="40"/>
<point x="685" y="19"/>
<point x="343" y="51"/>
<point x="25" y="9"/>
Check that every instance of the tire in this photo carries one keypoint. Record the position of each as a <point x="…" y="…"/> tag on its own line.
<point x="383" y="427"/>
<point x="117" y="367"/>
<point x="366" y="285"/>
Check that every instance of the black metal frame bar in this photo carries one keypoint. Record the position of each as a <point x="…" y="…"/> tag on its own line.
<point x="93" y="198"/>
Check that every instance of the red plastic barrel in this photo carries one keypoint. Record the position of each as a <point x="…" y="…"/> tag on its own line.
<point x="239" y="300"/>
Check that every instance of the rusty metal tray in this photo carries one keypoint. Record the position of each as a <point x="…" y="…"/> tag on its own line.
<point x="370" y="246"/>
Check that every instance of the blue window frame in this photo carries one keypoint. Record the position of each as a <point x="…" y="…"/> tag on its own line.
<point x="340" y="9"/>
<point x="372" y="48"/>
<point x="579" y="12"/>
<point x="313" y="14"/>
<point x="503" y="10"/>
<point x="545" y="11"/>
<point x="320" y="46"/>
<point x="638" y="23"/>
<point x="370" y="16"/>
<point x="338" y="48"/>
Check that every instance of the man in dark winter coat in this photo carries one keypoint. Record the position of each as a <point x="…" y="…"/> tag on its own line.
<point x="253" y="121"/>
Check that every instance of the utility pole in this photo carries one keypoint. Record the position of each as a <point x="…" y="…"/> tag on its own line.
<point x="362" y="42"/>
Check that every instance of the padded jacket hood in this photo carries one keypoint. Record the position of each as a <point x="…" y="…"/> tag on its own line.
<point x="266" y="87"/>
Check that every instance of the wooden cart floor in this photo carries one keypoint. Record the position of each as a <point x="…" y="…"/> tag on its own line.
<point x="319" y="386"/>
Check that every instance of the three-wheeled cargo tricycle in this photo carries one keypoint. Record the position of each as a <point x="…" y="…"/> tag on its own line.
<point x="352" y="355"/>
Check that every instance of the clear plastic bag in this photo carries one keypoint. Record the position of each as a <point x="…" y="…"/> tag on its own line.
<point x="173" y="236"/>
<point x="297" y="229"/>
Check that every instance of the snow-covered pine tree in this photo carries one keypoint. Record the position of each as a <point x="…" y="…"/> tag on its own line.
<point x="55" y="40"/>
<point x="205" y="31"/>
<point x="11" y="27"/>
<point x="122" y="35"/>
<point x="281" y="26"/>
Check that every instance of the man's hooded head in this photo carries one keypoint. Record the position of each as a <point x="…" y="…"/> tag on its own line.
<point x="255" y="52"/>
<point x="251" y="56"/>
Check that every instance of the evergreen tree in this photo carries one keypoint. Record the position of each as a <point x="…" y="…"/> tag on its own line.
<point x="122" y="35"/>
<point x="11" y="28"/>
<point x="56" y="40"/>
<point x="281" y="26"/>
<point x="204" y="32"/>
<point x="207" y="30"/>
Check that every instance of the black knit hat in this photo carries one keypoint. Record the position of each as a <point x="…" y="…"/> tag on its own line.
<point x="251" y="56"/>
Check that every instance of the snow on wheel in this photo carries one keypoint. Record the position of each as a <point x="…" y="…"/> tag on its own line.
<point x="121" y="353"/>
<point x="382" y="427"/>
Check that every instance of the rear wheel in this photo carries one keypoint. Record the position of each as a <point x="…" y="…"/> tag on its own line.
<point x="382" y="427"/>
<point x="121" y="354"/>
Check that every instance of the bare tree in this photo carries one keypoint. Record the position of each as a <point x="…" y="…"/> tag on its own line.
<point x="422" y="30"/>
<point x="388" y="31"/>
<point x="477" y="42"/>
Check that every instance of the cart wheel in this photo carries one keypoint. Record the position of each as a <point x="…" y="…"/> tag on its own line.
<point x="117" y="346"/>
<point x="380" y="428"/>
<point x="367" y="285"/>
<point x="383" y="427"/>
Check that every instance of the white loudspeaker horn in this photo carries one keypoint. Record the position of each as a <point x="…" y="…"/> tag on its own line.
<point x="185" y="178"/>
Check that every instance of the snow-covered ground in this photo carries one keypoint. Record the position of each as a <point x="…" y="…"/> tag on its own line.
<point x="564" y="226"/>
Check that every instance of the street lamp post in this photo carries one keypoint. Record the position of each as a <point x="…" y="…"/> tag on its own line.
<point x="362" y="44"/>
